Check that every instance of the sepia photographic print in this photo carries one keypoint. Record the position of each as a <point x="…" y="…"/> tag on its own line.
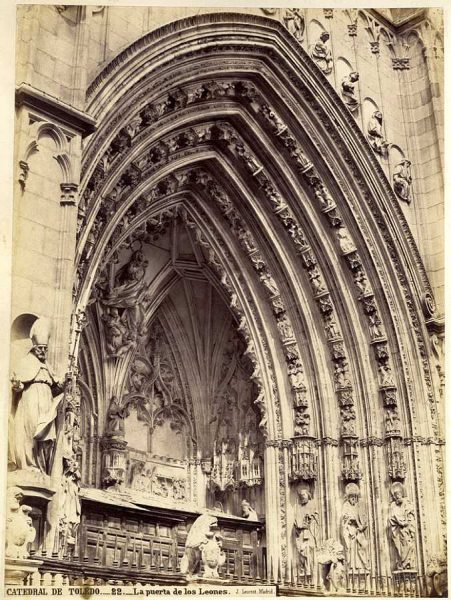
<point x="226" y="365"/>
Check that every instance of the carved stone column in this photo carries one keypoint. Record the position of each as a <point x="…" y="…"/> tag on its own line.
<point x="276" y="523"/>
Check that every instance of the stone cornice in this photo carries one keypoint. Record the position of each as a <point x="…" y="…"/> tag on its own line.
<point x="55" y="109"/>
<point x="398" y="27"/>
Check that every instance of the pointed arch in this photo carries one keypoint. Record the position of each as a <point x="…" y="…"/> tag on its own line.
<point x="233" y="127"/>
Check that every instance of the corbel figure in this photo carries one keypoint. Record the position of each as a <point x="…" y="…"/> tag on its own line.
<point x="348" y="84"/>
<point x="375" y="134"/>
<point x="294" y="21"/>
<point x="402" y="180"/>
<point x="248" y="512"/>
<point x="322" y="54"/>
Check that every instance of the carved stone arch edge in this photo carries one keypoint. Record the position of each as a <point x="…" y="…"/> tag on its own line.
<point x="278" y="29"/>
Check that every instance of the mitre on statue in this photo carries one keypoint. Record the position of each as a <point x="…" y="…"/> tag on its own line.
<point x="40" y="332"/>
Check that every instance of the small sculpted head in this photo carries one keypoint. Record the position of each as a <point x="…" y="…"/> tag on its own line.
<point x="352" y="493"/>
<point x="398" y="493"/>
<point x="304" y="495"/>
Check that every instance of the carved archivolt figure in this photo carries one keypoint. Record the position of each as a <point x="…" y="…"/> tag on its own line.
<point x="402" y="527"/>
<point x="295" y="23"/>
<point x="375" y="135"/>
<point x="116" y="333"/>
<point x="345" y="240"/>
<point x="322" y="54"/>
<point x="402" y="180"/>
<point x="35" y="387"/>
<point x="198" y="536"/>
<point x="19" y="526"/>
<point x="354" y="525"/>
<point x="306" y="528"/>
<point x="348" y="90"/>
<point x="248" y="512"/>
<point x="129" y="285"/>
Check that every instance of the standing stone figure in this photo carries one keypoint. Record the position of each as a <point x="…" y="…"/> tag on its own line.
<point x="354" y="527"/>
<point x="375" y="135"/>
<point x="348" y="90"/>
<point x="70" y="507"/>
<point x="306" y="528"/>
<point x="35" y="387"/>
<point x="322" y="54"/>
<point x="402" y="180"/>
<point x="295" y="23"/>
<point x="402" y="527"/>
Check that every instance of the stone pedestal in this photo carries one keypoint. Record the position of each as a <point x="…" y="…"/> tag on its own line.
<point x="17" y="569"/>
<point x="33" y="483"/>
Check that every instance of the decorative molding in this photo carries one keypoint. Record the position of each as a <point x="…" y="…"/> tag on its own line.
<point x="23" y="174"/>
<point x="400" y="64"/>
<point x="69" y="194"/>
<point x="55" y="109"/>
